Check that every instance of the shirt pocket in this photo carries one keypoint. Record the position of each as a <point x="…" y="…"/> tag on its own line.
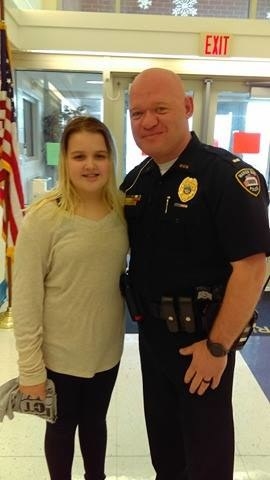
<point x="181" y="224"/>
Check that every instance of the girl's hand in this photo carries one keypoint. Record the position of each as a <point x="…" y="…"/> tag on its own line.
<point x="35" y="391"/>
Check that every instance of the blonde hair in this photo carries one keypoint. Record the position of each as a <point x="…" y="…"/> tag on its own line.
<point x="64" y="193"/>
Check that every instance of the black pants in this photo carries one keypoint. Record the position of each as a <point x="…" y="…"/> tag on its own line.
<point x="82" y="403"/>
<point x="191" y="437"/>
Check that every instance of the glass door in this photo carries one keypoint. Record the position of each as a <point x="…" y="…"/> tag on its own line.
<point x="241" y="124"/>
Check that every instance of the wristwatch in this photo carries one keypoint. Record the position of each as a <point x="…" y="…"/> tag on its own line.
<point x="216" y="349"/>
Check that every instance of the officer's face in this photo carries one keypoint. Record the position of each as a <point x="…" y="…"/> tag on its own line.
<point x="159" y="112"/>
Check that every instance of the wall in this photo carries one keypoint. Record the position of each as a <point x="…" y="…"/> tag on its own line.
<point x="117" y="34"/>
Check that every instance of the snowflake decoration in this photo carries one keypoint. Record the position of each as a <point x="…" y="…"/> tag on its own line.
<point x="184" y="8"/>
<point x="145" y="4"/>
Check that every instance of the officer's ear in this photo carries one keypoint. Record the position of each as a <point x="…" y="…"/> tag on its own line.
<point x="189" y="106"/>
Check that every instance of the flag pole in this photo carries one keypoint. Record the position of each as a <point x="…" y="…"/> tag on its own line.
<point x="2" y="11"/>
<point x="6" y="320"/>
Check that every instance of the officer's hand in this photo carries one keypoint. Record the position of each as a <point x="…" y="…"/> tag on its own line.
<point x="34" y="391"/>
<point x="203" y="366"/>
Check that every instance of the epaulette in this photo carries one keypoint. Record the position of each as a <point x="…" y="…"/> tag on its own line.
<point x="247" y="176"/>
<point x="224" y="155"/>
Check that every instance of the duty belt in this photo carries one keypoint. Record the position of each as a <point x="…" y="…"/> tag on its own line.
<point x="196" y="313"/>
<point x="188" y="313"/>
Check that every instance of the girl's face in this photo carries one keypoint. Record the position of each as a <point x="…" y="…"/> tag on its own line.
<point x="89" y="163"/>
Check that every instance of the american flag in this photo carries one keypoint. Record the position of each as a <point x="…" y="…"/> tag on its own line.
<point x="11" y="193"/>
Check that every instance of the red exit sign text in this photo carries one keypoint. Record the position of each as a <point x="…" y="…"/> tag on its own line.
<point x="216" y="44"/>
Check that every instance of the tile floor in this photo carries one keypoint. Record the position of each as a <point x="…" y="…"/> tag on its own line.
<point x="21" y="439"/>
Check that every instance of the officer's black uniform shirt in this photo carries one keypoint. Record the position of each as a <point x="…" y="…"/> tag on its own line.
<point x="186" y="226"/>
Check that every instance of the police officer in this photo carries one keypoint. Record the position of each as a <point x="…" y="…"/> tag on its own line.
<point x="199" y="235"/>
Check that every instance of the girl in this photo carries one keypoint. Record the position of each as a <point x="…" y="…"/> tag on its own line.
<point x="67" y="307"/>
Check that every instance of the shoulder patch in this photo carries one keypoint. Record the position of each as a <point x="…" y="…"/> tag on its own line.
<point x="249" y="180"/>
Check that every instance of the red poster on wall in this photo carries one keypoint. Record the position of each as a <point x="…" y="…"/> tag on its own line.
<point x="246" y="142"/>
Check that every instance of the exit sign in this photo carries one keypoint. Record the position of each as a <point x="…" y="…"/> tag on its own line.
<point x="216" y="44"/>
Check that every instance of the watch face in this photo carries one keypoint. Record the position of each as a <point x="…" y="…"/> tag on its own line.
<point x="216" y="349"/>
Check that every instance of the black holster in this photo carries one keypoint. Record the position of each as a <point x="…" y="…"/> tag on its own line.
<point x="131" y="299"/>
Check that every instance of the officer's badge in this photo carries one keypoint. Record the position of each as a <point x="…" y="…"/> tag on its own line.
<point x="132" y="200"/>
<point x="187" y="189"/>
<point x="249" y="180"/>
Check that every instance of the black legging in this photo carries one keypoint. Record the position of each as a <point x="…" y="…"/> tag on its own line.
<point x="81" y="402"/>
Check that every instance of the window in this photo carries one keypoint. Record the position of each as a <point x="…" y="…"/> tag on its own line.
<point x="46" y="100"/>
